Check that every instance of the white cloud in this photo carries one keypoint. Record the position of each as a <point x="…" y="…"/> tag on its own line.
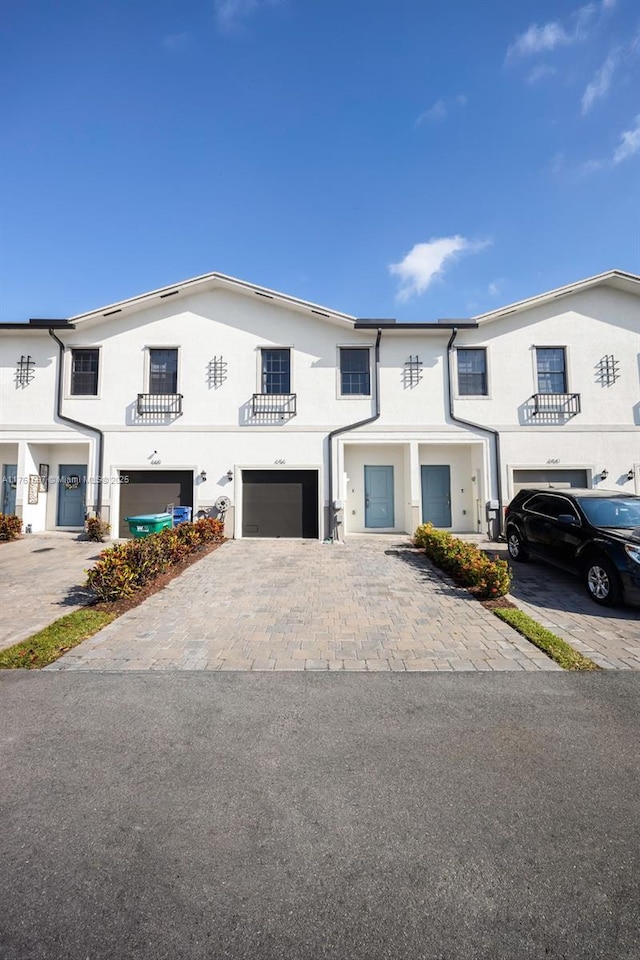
<point x="539" y="39"/>
<point x="426" y="261"/>
<point x="541" y="72"/>
<point x="229" y="13"/>
<point x="436" y="112"/>
<point x="629" y="143"/>
<point x="601" y="83"/>
<point x="495" y="287"/>
<point x="543" y="38"/>
<point x="440" y="109"/>
<point x="628" y="146"/>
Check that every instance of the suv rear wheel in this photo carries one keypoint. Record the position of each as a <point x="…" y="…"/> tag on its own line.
<point x="601" y="581"/>
<point x="515" y="544"/>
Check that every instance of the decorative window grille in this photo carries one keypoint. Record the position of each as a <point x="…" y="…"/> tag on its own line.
<point x="608" y="370"/>
<point x="25" y="371"/>
<point x="412" y="371"/>
<point x="217" y="371"/>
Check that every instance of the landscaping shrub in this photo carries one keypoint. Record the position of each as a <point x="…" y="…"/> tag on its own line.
<point x="127" y="567"/>
<point x="10" y="526"/>
<point x="97" y="529"/>
<point x="487" y="577"/>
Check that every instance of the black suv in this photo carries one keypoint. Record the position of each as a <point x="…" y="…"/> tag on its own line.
<point x="593" y="533"/>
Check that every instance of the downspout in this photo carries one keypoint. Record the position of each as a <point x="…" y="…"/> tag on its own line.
<point x="77" y="423"/>
<point x="352" y="426"/>
<point x="477" y="426"/>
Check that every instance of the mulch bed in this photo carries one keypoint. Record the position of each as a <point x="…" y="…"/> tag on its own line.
<point x="154" y="586"/>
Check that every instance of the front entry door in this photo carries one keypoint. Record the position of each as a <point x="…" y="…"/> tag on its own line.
<point x="436" y="495"/>
<point x="9" y="483"/>
<point x="72" y="490"/>
<point x="378" y="497"/>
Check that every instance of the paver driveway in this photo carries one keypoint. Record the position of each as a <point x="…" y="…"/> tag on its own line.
<point x="40" y="577"/>
<point x="370" y="604"/>
<point x="558" y="600"/>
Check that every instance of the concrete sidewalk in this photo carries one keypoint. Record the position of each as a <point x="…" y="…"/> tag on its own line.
<point x="372" y="604"/>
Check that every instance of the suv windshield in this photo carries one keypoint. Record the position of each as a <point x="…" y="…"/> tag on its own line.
<point x="617" y="512"/>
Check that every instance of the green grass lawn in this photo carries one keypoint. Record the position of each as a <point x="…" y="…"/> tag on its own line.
<point x="49" y="644"/>
<point x="554" y="646"/>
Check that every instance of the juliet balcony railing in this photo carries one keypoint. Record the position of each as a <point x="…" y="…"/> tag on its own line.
<point x="159" y="404"/>
<point x="556" y="405"/>
<point x="269" y="405"/>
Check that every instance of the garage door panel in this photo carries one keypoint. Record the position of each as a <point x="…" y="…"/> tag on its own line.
<point x="551" y="479"/>
<point x="144" y="491"/>
<point x="280" y="503"/>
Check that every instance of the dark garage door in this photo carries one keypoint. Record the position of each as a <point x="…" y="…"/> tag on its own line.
<point x="549" y="478"/>
<point x="280" y="503"/>
<point x="149" y="491"/>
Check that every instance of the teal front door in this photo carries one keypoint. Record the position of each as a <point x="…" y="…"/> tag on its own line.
<point x="378" y="497"/>
<point x="9" y="484"/>
<point x="436" y="495"/>
<point x="72" y="493"/>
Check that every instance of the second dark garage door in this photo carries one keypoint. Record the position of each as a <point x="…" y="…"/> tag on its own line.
<point x="280" y="503"/>
<point x="150" y="491"/>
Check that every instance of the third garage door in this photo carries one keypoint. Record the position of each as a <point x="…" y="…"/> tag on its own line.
<point x="548" y="478"/>
<point x="280" y="503"/>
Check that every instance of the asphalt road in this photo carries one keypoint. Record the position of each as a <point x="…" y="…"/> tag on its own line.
<point x="314" y="816"/>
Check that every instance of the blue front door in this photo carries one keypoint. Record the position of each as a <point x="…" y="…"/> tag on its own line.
<point x="72" y="493"/>
<point x="9" y="483"/>
<point x="436" y="495"/>
<point x="378" y="497"/>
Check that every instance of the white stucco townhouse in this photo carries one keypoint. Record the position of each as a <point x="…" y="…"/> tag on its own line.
<point x="311" y="422"/>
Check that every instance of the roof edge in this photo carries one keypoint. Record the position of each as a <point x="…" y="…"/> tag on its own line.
<point x="222" y="280"/>
<point x="540" y="298"/>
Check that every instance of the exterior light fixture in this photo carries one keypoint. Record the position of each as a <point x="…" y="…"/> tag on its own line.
<point x="630" y="474"/>
<point x="604" y="474"/>
<point x="229" y="474"/>
<point x="203" y="475"/>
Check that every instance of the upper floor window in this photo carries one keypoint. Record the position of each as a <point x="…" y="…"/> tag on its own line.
<point x="84" y="372"/>
<point x="163" y="371"/>
<point x="355" y="377"/>
<point x="276" y="371"/>
<point x="472" y="372"/>
<point x="551" y="367"/>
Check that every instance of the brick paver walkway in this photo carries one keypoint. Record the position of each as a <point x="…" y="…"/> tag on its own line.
<point x="610" y="636"/>
<point x="370" y="604"/>
<point x="40" y="578"/>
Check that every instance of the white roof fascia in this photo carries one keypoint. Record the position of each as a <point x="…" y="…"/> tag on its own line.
<point x="598" y="280"/>
<point x="220" y="280"/>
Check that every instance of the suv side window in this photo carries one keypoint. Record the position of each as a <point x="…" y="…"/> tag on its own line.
<point x="551" y="506"/>
<point x="541" y="503"/>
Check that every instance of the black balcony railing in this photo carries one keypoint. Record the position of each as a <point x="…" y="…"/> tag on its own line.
<point x="274" y="405"/>
<point x="159" y="404"/>
<point x="556" y="404"/>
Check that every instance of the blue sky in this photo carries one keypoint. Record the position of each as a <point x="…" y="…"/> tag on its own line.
<point x="394" y="158"/>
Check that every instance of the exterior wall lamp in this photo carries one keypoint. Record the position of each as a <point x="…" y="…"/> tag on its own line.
<point x="604" y="474"/>
<point x="229" y="474"/>
<point x="203" y="475"/>
<point x="630" y="474"/>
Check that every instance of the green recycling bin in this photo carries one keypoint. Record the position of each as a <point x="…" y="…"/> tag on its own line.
<point x="148" y="523"/>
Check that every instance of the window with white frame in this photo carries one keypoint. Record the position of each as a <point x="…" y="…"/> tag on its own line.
<point x="355" y="374"/>
<point x="276" y="371"/>
<point x="163" y="371"/>
<point x="84" y="372"/>
<point x="472" y="372"/>
<point x="551" y="369"/>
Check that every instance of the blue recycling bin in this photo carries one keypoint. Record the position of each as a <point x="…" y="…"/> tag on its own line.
<point x="181" y="515"/>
